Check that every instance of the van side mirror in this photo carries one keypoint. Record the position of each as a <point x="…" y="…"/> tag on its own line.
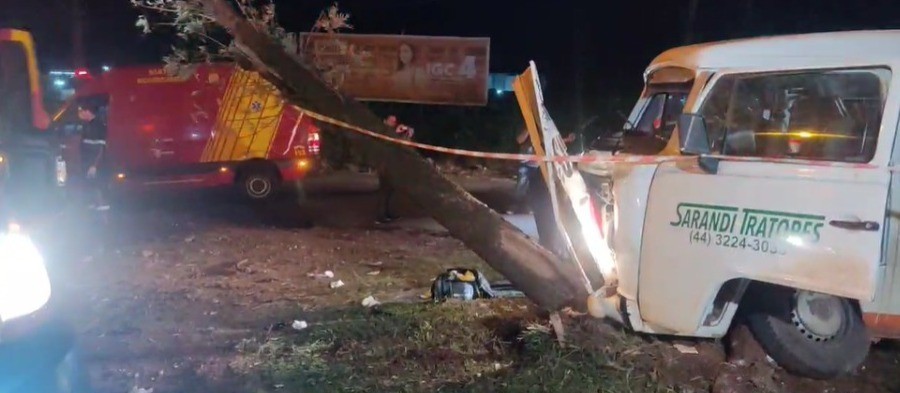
<point x="693" y="139"/>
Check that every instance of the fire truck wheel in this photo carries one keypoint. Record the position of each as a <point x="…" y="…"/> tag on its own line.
<point x="259" y="184"/>
<point x="810" y="334"/>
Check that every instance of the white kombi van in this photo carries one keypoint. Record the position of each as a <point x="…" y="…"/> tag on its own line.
<point x="775" y="200"/>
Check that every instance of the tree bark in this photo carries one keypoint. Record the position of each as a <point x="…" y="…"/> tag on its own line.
<point x="532" y="269"/>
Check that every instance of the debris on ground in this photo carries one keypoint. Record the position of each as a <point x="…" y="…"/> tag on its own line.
<point x="558" y="328"/>
<point x="326" y="274"/>
<point x="336" y="284"/>
<point x="370" y="302"/>
<point x="569" y="312"/>
<point x="374" y="273"/>
<point x="536" y="327"/>
<point x="241" y="266"/>
<point x="686" y="349"/>
<point x="299" y="325"/>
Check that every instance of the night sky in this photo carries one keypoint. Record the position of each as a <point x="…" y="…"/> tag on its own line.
<point x="612" y="41"/>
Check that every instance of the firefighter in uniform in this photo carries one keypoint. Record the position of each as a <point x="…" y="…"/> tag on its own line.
<point x="93" y="156"/>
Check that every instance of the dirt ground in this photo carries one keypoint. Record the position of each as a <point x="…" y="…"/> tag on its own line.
<point x="199" y="295"/>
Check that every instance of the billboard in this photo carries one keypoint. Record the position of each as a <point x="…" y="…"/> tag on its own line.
<point x="400" y="68"/>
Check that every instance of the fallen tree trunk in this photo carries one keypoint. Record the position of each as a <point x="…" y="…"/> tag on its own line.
<point x="531" y="268"/>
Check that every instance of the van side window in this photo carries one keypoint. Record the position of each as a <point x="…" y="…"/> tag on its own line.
<point x="830" y="115"/>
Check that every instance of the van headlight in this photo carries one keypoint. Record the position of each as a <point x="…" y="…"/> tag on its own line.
<point x="24" y="284"/>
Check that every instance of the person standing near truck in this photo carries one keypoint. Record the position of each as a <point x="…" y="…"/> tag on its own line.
<point x="385" y="189"/>
<point x="532" y="187"/>
<point x="527" y="167"/>
<point x="93" y="155"/>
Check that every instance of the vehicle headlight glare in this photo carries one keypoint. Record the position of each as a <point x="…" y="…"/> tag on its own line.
<point x="24" y="284"/>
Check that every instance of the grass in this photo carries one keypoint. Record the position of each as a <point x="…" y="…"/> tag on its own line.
<point x="496" y="346"/>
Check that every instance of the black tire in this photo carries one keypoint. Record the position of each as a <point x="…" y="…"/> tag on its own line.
<point x="259" y="183"/>
<point x="777" y="324"/>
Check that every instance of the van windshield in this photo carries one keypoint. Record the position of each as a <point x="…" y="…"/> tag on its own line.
<point x="831" y="115"/>
<point x="15" y="90"/>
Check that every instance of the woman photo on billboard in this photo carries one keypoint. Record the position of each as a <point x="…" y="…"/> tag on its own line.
<point x="407" y="76"/>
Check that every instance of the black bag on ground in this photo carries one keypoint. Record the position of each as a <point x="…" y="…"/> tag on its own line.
<point x="462" y="284"/>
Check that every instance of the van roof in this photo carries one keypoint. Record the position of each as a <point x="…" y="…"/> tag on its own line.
<point x="800" y="50"/>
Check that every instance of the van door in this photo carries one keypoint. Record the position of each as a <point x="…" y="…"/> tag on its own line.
<point x="790" y="203"/>
<point x="177" y="115"/>
<point x="30" y="174"/>
<point x="149" y="116"/>
<point x="21" y="103"/>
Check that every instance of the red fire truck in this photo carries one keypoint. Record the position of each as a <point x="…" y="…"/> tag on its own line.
<point x="202" y="126"/>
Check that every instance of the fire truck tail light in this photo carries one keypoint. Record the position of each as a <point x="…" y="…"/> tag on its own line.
<point x="313" y="142"/>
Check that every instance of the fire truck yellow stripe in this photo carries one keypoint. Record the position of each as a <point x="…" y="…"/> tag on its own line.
<point x="230" y="107"/>
<point x="248" y="120"/>
<point x="216" y="135"/>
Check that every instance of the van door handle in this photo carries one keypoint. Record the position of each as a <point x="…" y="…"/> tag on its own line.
<point x="856" y="225"/>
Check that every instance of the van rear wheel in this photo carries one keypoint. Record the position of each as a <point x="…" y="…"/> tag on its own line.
<point x="259" y="184"/>
<point x="810" y="334"/>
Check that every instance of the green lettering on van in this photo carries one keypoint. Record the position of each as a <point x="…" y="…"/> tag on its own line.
<point x="705" y="217"/>
<point x="754" y="223"/>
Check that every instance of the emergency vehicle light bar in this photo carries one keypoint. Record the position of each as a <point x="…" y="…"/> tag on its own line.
<point x="82" y="74"/>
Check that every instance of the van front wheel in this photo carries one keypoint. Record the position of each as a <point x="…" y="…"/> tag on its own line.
<point x="810" y="334"/>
